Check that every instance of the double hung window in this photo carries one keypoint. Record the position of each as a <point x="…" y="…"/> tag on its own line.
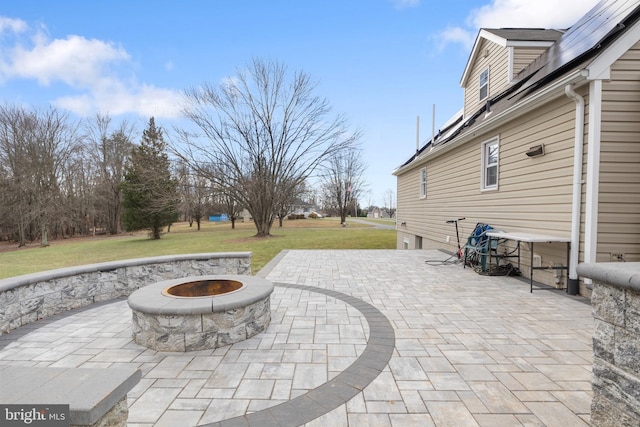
<point x="484" y="84"/>
<point x="490" y="151"/>
<point x="423" y="183"/>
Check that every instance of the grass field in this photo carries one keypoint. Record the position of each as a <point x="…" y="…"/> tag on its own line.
<point x="382" y="221"/>
<point x="325" y="233"/>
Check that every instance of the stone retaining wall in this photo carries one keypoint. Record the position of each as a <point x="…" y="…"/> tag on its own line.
<point x="25" y="299"/>
<point x="117" y="416"/>
<point x="616" y="343"/>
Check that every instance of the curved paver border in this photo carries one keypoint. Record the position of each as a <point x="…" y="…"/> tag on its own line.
<point x="343" y="387"/>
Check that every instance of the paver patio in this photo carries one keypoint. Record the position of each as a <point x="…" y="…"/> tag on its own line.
<point x="470" y="350"/>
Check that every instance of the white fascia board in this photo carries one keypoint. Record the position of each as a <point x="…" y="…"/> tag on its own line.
<point x="472" y="57"/>
<point x="599" y="68"/>
<point x="500" y="41"/>
<point x="483" y="34"/>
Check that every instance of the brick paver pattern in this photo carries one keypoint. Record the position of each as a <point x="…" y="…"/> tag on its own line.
<point x="470" y="350"/>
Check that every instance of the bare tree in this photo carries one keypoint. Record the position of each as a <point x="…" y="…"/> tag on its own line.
<point x="263" y="133"/>
<point x="226" y="204"/>
<point x="200" y="199"/>
<point x="77" y="191"/>
<point x="342" y="181"/>
<point x="16" y="189"/>
<point x="195" y="194"/>
<point x="389" y="199"/>
<point x="36" y="149"/>
<point x="186" y="191"/>
<point x="286" y="204"/>
<point x="50" y="151"/>
<point x="110" y="149"/>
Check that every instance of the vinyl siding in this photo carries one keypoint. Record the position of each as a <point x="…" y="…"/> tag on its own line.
<point x="498" y="63"/>
<point x="409" y="213"/>
<point x="523" y="56"/>
<point x="534" y="194"/>
<point x="619" y="199"/>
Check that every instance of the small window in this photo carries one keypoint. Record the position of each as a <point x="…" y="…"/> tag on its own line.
<point x="484" y="84"/>
<point x="490" y="165"/>
<point x="423" y="183"/>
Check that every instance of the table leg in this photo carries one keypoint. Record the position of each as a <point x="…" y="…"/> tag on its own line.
<point x="489" y="247"/>
<point x="531" y="269"/>
<point x="568" y="261"/>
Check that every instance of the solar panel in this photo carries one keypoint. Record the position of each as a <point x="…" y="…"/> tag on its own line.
<point x="584" y="35"/>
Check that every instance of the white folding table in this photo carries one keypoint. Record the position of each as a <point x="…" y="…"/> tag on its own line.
<point x="530" y="238"/>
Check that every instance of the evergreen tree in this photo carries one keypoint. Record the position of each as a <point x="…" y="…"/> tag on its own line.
<point x="150" y="193"/>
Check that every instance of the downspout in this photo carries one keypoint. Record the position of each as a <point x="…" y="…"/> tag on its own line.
<point x="593" y="173"/>
<point x="572" y="282"/>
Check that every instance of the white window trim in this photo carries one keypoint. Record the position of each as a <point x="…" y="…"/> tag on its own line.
<point x="480" y="87"/>
<point x="423" y="183"/>
<point x="483" y="165"/>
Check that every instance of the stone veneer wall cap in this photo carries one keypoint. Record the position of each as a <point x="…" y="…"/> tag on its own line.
<point x="90" y="392"/>
<point x="621" y="274"/>
<point x="28" y="279"/>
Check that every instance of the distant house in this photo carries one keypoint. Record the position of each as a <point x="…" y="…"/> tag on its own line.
<point x="376" y="212"/>
<point x="300" y="207"/>
<point x="547" y="142"/>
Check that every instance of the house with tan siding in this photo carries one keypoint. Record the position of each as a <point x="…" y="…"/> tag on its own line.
<point x="574" y="96"/>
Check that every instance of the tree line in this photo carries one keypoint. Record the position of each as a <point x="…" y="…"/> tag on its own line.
<point x="256" y="143"/>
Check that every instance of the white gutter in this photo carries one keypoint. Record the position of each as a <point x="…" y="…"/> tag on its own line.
<point x="572" y="283"/>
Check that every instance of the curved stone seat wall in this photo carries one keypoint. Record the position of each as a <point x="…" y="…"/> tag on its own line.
<point x="25" y="299"/>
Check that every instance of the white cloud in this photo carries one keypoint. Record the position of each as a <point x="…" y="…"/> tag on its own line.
<point x="12" y="25"/>
<point x="82" y="105"/>
<point x="514" y="14"/>
<point x="92" y="67"/>
<point x="527" y="13"/>
<point x="453" y="35"/>
<point x="75" y="60"/>
<point x="112" y="96"/>
<point x="406" y="4"/>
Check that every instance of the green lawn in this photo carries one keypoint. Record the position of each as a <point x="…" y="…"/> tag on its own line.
<point x="383" y="221"/>
<point x="325" y="233"/>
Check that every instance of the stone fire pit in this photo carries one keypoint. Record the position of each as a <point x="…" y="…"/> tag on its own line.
<point x="201" y="312"/>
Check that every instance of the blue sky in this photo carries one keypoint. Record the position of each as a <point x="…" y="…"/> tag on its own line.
<point x="382" y="63"/>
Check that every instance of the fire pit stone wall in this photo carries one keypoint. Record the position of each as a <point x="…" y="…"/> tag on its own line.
<point x="166" y="323"/>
